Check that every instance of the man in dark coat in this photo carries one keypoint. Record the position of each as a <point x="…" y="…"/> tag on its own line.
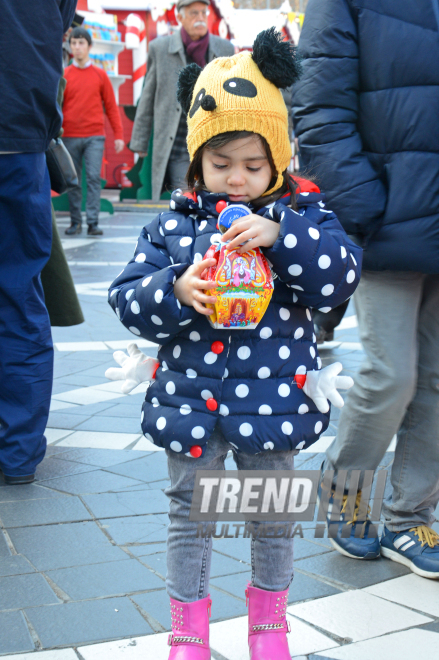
<point x="366" y="114"/>
<point x="158" y="104"/>
<point x="31" y="37"/>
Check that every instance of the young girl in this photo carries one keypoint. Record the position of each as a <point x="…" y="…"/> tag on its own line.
<point x="217" y="390"/>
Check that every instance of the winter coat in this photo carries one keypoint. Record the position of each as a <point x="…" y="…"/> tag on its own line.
<point x="158" y="103"/>
<point x="366" y="114"/>
<point x="249" y="373"/>
<point x="31" y="36"/>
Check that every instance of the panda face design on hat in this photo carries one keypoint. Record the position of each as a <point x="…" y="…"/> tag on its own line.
<point x="242" y="93"/>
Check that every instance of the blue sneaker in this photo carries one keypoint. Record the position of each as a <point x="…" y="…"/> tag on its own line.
<point x="352" y="537"/>
<point x="417" y="548"/>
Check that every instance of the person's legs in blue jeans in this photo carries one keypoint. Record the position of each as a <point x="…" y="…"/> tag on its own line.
<point x="26" y="355"/>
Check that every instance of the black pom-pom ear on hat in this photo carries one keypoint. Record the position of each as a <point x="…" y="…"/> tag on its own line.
<point x="186" y="83"/>
<point x="276" y="59"/>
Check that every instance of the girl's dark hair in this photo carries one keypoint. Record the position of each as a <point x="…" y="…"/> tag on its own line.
<point x="195" y="179"/>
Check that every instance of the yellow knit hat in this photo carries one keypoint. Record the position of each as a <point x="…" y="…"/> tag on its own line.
<point x="241" y="93"/>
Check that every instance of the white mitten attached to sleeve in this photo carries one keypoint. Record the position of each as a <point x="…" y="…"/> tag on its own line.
<point x="136" y="368"/>
<point x="321" y="386"/>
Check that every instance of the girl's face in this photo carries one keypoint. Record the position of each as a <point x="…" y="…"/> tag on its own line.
<point x="240" y="169"/>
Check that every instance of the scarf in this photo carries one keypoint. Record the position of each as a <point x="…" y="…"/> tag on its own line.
<point x="196" y="50"/>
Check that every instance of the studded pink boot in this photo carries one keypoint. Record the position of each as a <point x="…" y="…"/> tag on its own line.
<point x="190" y="630"/>
<point x="267" y="624"/>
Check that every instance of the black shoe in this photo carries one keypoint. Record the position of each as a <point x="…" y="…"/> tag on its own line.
<point x="323" y="335"/>
<point x="73" y="229"/>
<point x="94" y="231"/>
<point x="17" y="481"/>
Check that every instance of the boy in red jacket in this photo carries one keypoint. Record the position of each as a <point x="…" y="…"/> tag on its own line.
<point x="88" y="90"/>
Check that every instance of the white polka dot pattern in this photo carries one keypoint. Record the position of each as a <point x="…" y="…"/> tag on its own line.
<point x="246" y="429"/>
<point x="318" y="427"/>
<point x="324" y="262"/>
<point x="156" y="319"/>
<point x="190" y="373"/>
<point x="158" y="296"/>
<point x="161" y="423"/>
<point x="303" y="408"/>
<point x="264" y="372"/>
<point x="295" y="270"/>
<point x="284" y="352"/>
<point x="171" y="224"/>
<point x="135" y="307"/>
<point x="265" y="333"/>
<point x="170" y="387"/>
<point x="284" y="313"/>
<point x="241" y="391"/>
<point x="350" y="277"/>
<point x="290" y="241"/>
<point x="185" y="409"/>
<point x="224" y="411"/>
<point x="198" y="432"/>
<point x="328" y="290"/>
<point x="206" y="394"/>
<point x="140" y="257"/>
<point x="134" y="330"/>
<point x="283" y="390"/>
<point x="265" y="410"/>
<point x="185" y="241"/>
<point x="314" y="233"/>
<point x="147" y="280"/>
<point x="243" y="352"/>
<point x="287" y="428"/>
<point x="210" y="357"/>
<point x="175" y="446"/>
<point x="177" y="351"/>
<point x="195" y="336"/>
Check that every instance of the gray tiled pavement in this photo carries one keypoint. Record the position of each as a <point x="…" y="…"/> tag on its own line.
<point x="82" y="552"/>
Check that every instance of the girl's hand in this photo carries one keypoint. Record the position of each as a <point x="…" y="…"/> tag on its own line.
<point x="188" y="288"/>
<point x="252" y="230"/>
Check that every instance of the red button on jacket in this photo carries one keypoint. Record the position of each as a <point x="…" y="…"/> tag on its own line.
<point x="217" y="347"/>
<point x="211" y="404"/>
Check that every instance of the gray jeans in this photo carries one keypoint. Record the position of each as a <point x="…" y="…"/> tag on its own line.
<point x="396" y="391"/>
<point x="189" y="557"/>
<point x="90" y="149"/>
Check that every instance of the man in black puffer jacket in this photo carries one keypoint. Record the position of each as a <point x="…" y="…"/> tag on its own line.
<point x="366" y="114"/>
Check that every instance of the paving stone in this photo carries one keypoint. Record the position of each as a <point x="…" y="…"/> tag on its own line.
<point x="351" y="572"/>
<point x="147" y="549"/>
<point x="109" y="579"/>
<point x="222" y="565"/>
<point x="153" y="485"/>
<point x="92" y="408"/>
<point x="28" y="493"/>
<point x="96" y="481"/>
<point x="303" y="548"/>
<point x="64" y="420"/>
<point x="157" y="562"/>
<point x="19" y="591"/>
<point x="304" y="587"/>
<point x="238" y="548"/>
<point x="52" y="468"/>
<point x="119" y="410"/>
<point x="101" y="457"/>
<point x="43" y="512"/>
<point x="149" y="468"/>
<point x="224" y="606"/>
<point x="14" y="633"/>
<point x="135" y="529"/>
<point x="71" y="624"/>
<point x="57" y="654"/>
<point x="60" y="546"/>
<point x="112" y="424"/>
<point x="4" y="550"/>
<point x="53" y="450"/>
<point x="157" y="605"/>
<point x="112" y="505"/>
<point x="233" y="584"/>
<point x="15" y="565"/>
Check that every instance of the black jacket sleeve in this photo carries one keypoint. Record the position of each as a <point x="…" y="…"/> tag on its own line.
<point x="326" y="115"/>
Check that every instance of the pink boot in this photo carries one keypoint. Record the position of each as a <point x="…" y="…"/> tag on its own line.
<point x="267" y="624"/>
<point x="190" y="630"/>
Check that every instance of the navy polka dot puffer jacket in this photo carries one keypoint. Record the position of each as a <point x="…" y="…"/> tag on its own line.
<point x="242" y="379"/>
